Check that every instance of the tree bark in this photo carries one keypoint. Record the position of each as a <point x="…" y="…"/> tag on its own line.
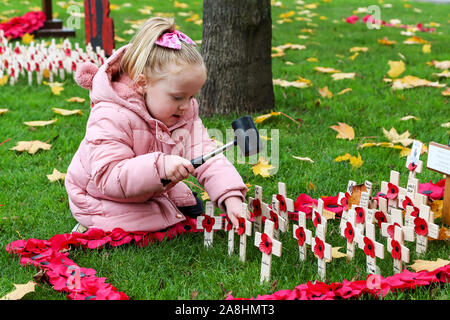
<point x="236" y="47"/>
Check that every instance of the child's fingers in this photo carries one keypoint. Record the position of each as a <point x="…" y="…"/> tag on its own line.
<point x="188" y="165"/>
<point x="234" y="220"/>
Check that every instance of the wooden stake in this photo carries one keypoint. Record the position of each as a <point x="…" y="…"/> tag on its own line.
<point x="399" y="252"/>
<point x="245" y="229"/>
<point x="268" y="246"/>
<point x="286" y="204"/>
<point x="372" y="249"/>
<point x="209" y="223"/>
<point x="322" y="250"/>
<point x="255" y="206"/>
<point x="302" y="234"/>
<point x="424" y="227"/>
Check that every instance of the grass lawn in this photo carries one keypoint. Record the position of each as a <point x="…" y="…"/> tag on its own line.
<point x="182" y="268"/>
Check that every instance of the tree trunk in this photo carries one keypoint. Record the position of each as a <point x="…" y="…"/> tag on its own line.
<point x="236" y="46"/>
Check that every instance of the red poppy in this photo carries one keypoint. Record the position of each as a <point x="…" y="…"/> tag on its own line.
<point x="352" y="19"/>
<point x="241" y="229"/>
<point x="282" y="201"/>
<point x="319" y="248"/>
<point x="433" y="191"/>
<point x="304" y="203"/>
<point x="207" y="223"/>
<point x="349" y="233"/>
<point x="300" y="234"/>
<point x="369" y="247"/>
<point x="317" y="219"/>
<point x="396" y="250"/>
<point x="415" y="212"/>
<point x="331" y="204"/>
<point x="420" y="226"/>
<point x="256" y="208"/>
<point x="412" y="166"/>
<point x="407" y="202"/>
<point x="344" y="201"/>
<point x="274" y="218"/>
<point x="392" y="191"/>
<point x="18" y="26"/>
<point x="265" y="245"/>
<point x="380" y="217"/>
<point x="391" y="229"/>
<point x="360" y="216"/>
<point x="229" y="224"/>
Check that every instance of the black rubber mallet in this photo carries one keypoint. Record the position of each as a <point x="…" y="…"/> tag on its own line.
<point x="246" y="136"/>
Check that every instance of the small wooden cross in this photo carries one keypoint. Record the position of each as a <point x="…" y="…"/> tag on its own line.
<point x="392" y="190"/>
<point x="322" y="250"/>
<point x="302" y="234"/>
<point x="209" y="223"/>
<point x="255" y="206"/>
<point x="351" y="232"/>
<point x="229" y="228"/>
<point x="274" y="215"/>
<point x="268" y="246"/>
<point x="413" y="162"/>
<point x="318" y="216"/>
<point x="372" y="249"/>
<point x="398" y="251"/>
<point x="425" y="227"/>
<point x="387" y="228"/>
<point x="244" y="230"/>
<point x="286" y="204"/>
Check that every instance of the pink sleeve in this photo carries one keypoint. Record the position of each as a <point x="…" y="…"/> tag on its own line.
<point x="115" y="169"/>
<point x="218" y="175"/>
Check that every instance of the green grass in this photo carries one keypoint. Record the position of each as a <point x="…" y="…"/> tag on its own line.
<point x="35" y="208"/>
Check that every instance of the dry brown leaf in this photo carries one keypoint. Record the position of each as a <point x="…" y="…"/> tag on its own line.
<point x="355" y="197"/>
<point x="344" y="131"/>
<point x="31" y="146"/>
<point x="426" y="265"/>
<point x="20" y="291"/>
<point x="303" y="159"/>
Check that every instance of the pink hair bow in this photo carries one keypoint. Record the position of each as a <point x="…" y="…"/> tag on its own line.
<point x="172" y="40"/>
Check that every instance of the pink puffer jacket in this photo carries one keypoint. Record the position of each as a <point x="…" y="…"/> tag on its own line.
<point x="114" y="179"/>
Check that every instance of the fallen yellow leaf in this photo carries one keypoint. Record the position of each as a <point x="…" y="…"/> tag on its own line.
<point x="408" y="82"/>
<point x="345" y="157"/>
<point x="394" y="137"/>
<point x="359" y="49"/>
<point x="76" y="99"/>
<point x="31" y="146"/>
<point x="27" y="38"/>
<point x="40" y="123"/>
<point x="285" y="83"/>
<point x="336" y="254"/>
<point x="396" y="68"/>
<point x="312" y="59"/>
<point x="65" y="112"/>
<point x="421" y="265"/>
<point x="260" y="119"/>
<point x="340" y="76"/>
<point x="443" y="65"/>
<point x="56" y="175"/>
<point x="177" y="4"/>
<point x="20" y="291"/>
<point x="3" y="111"/>
<point x="114" y="6"/>
<point x="443" y="74"/>
<point x="415" y="40"/>
<point x="446" y="92"/>
<point x="325" y="93"/>
<point x="344" y="91"/>
<point x="386" y="42"/>
<point x="356" y="162"/>
<point x="205" y="196"/>
<point x="326" y="70"/>
<point x="409" y="118"/>
<point x="262" y="168"/>
<point x="426" y="48"/>
<point x="344" y="131"/>
<point x="3" y="80"/>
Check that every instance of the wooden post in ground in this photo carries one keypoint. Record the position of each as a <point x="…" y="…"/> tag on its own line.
<point x="52" y="27"/>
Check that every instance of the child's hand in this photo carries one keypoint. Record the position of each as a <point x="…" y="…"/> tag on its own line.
<point x="234" y="208"/>
<point x="177" y="168"/>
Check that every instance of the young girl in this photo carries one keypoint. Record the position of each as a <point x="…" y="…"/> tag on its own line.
<point x="143" y="128"/>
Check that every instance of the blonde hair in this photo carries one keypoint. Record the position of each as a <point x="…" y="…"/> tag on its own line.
<point x="147" y="58"/>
